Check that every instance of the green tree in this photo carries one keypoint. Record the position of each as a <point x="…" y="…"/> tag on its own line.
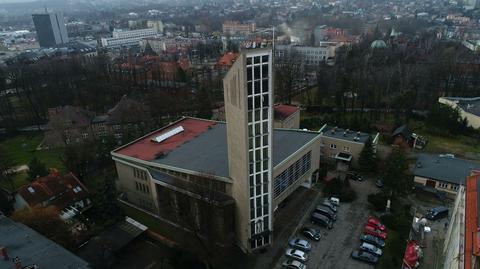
<point x="204" y="104"/>
<point x="36" y="169"/>
<point x="446" y="120"/>
<point x="394" y="171"/>
<point x="6" y="168"/>
<point x="6" y="206"/>
<point x="105" y="204"/>
<point x="77" y="157"/>
<point x="47" y="222"/>
<point x="368" y="158"/>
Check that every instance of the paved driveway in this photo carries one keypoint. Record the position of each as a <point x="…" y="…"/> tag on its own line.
<point x="336" y="245"/>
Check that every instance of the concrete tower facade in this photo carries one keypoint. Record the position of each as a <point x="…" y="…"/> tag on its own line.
<point x="248" y="107"/>
<point x="51" y="29"/>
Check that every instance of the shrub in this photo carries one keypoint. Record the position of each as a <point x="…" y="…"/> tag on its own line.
<point x="341" y="189"/>
<point x="378" y="201"/>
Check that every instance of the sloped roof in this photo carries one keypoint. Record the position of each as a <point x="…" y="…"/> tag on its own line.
<point x="403" y="130"/>
<point x="75" y="115"/>
<point x="128" y="110"/>
<point x="282" y="111"/>
<point x="62" y="191"/>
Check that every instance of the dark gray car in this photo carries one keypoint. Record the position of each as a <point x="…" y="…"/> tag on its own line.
<point x="326" y="212"/>
<point x="365" y="256"/>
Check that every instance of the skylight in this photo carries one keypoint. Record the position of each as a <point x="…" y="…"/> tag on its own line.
<point x="168" y="134"/>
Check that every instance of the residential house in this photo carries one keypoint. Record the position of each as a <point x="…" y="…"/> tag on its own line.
<point x="469" y="108"/>
<point x="442" y="173"/>
<point x="68" y="125"/>
<point x="343" y="146"/>
<point x="64" y="192"/>
<point x="402" y="136"/>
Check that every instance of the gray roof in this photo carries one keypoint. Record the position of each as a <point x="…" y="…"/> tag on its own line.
<point x="444" y="168"/>
<point x="34" y="249"/>
<point x="403" y="130"/>
<point x="470" y="105"/>
<point x="344" y="134"/>
<point x="208" y="152"/>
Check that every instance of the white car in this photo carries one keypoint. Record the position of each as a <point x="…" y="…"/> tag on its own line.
<point x="371" y="248"/>
<point x="296" y="254"/>
<point x="293" y="264"/>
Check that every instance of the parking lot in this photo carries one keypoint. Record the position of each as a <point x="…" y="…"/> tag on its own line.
<point x="336" y="245"/>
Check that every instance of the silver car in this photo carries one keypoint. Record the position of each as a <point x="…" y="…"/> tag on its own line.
<point x="300" y="244"/>
<point x="293" y="264"/>
<point x="371" y="248"/>
<point x="296" y="254"/>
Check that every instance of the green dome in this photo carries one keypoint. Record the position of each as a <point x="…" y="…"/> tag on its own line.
<point x="378" y="44"/>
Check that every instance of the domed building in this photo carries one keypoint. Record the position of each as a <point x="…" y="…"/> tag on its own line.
<point x="378" y="44"/>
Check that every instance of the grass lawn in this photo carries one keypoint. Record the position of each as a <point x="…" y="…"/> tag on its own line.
<point x="22" y="149"/>
<point x="459" y="145"/>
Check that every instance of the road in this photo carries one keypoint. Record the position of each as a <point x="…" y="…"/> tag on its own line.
<point x="333" y="250"/>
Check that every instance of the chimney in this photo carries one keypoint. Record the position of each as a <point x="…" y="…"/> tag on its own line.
<point x="4" y="253"/>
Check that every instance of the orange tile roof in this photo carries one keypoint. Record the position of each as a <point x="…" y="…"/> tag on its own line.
<point x="228" y="59"/>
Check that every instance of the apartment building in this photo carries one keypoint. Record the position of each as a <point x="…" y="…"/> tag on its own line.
<point x="127" y="38"/>
<point x="238" y="28"/>
<point x="310" y="56"/>
<point x="343" y="146"/>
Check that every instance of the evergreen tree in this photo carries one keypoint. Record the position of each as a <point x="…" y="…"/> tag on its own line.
<point x="394" y="171"/>
<point x="368" y="158"/>
<point x="36" y="169"/>
<point x="204" y="104"/>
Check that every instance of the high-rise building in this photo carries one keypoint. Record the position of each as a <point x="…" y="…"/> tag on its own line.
<point x="51" y="30"/>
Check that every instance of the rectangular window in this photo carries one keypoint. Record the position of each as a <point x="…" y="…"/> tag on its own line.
<point x="333" y="146"/>
<point x="264" y="85"/>
<point x="257" y="87"/>
<point x="292" y="174"/>
<point x="256" y="72"/>
<point x="249" y="73"/>
<point x="346" y="149"/>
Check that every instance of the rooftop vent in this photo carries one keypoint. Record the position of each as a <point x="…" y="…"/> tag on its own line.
<point x="168" y="134"/>
<point x="419" y="165"/>
<point x="31" y="190"/>
<point x="344" y="133"/>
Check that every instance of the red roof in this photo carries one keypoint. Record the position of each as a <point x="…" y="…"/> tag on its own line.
<point x="228" y="59"/>
<point x="146" y="149"/>
<point x="472" y="235"/>
<point x="284" y="111"/>
<point x="58" y="190"/>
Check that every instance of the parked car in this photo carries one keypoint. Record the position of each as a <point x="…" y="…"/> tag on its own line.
<point x="379" y="183"/>
<point x="375" y="232"/>
<point x="300" y="244"/>
<point x="326" y="212"/>
<point x="293" y="264"/>
<point x="334" y="201"/>
<point x="296" y="254"/>
<point x="438" y="212"/>
<point x="376" y="223"/>
<point x="321" y="220"/>
<point x="311" y="233"/>
<point x="371" y="248"/>
<point x="364" y="256"/>
<point x="329" y="206"/>
<point x="354" y="176"/>
<point x="373" y="240"/>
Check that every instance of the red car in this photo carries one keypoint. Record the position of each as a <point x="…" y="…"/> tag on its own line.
<point x="375" y="232"/>
<point x="374" y="222"/>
